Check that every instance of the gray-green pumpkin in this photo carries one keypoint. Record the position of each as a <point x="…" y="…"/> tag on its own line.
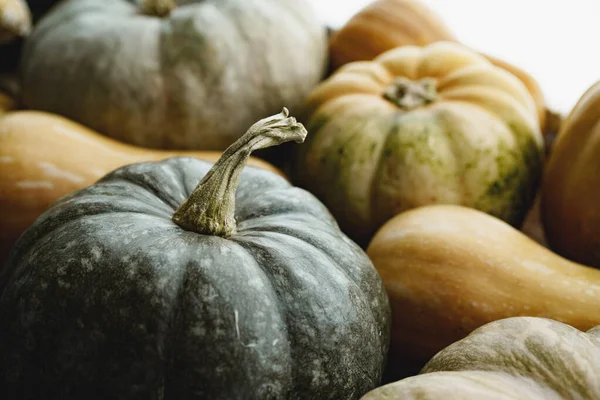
<point x="173" y="74"/>
<point x="145" y="286"/>
<point x="520" y="358"/>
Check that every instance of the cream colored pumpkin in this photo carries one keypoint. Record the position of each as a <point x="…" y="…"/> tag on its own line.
<point x="418" y="126"/>
<point x="512" y="359"/>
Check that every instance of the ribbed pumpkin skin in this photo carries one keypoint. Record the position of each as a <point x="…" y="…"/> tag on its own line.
<point x="570" y="205"/>
<point x="478" y="144"/>
<point x="45" y="156"/>
<point x="195" y="79"/>
<point x="107" y="298"/>
<point x="386" y="24"/>
<point x="449" y="270"/>
<point x="511" y="359"/>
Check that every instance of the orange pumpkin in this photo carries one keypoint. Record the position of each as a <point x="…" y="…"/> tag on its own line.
<point x="571" y="192"/>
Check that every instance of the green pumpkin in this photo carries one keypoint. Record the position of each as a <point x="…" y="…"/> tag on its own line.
<point x="162" y="75"/>
<point x="150" y="285"/>
<point x="511" y="359"/>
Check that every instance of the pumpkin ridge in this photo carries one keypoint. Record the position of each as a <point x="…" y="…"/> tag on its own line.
<point x="193" y="264"/>
<point x="336" y="361"/>
<point x="304" y="236"/>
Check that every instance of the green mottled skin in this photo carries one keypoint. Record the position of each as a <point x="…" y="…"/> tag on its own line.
<point x="367" y="165"/>
<point x="512" y="359"/>
<point x="105" y="297"/>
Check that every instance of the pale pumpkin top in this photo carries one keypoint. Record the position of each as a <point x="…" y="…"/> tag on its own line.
<point x="511" y="359"/>
<point x="421" y="125"/>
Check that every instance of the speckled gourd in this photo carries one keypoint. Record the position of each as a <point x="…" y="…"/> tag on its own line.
<point x="150" y="285"/>
<point x="511" y="359"/>
<point x="418" y="126"/>
<point x="173" y="74"/>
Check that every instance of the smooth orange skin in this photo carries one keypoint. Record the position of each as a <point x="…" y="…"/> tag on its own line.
<point x="570" y="207"/>
<point x="386" y="24"/>
<point x="449" y="270"/>
<point x="44" y="157"/>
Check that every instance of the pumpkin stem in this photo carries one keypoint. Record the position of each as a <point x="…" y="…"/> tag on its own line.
<point x="409" y="95"/>
<point x="210" y="208"/>
<point x="158" y="8"/>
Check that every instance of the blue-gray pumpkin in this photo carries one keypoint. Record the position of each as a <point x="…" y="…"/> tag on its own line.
<point x="150" y="285"/>
<point x="173" y="74"/>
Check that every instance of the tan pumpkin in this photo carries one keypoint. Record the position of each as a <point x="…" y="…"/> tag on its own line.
<point x="44" y="157"/>
<point x="511" y="359"/>
<point x="386" y="24"/>
<point x="15" y="20"/>
<point x="449" y="270"/>
<point x="570" y="205"/>
<point x="418" y="126"/>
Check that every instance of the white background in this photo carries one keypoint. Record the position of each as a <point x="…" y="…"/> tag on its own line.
<point x="556" y="41"/>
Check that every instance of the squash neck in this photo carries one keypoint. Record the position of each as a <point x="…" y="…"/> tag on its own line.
<point x="158" y="8"/>
<point x="409" y="95"/>
<point x="210" y="209"/>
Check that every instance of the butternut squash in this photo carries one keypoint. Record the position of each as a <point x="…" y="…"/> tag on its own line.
<point x="449" y="269"/>
<point x="44" y="157"/>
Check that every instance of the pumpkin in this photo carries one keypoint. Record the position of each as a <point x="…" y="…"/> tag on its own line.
<point x="514" y="358"/>
<point x="15" y="20"/>
<point x="570" y="207"/>
<point x="44" y="157"/>
<point x="153" y="285"/>
<point x="154" y="74"/>
<point x="417" y="126"/>
<point x="386" y="24"/>
<point x="449" y="269"/>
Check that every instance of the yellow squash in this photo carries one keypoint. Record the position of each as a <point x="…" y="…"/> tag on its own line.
<point x="449" y="270"/>
<point x="44" y="157"/>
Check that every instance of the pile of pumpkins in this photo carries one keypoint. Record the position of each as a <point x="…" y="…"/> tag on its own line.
<point x="169" y="229"/>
